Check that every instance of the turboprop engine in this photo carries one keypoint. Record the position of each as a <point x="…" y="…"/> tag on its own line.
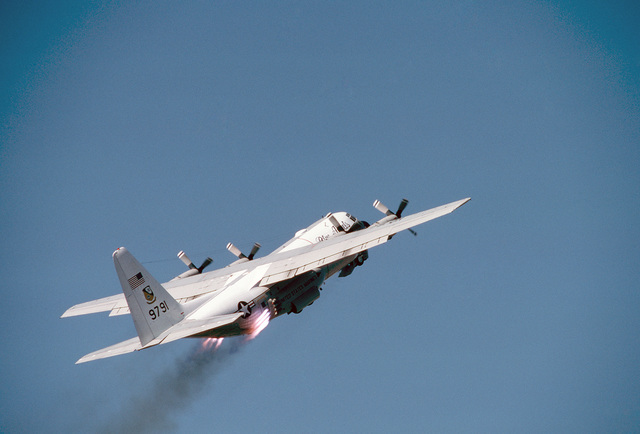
<point x="193" y="270"/>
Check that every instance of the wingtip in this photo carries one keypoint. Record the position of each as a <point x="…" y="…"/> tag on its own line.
<point x="67" y="313"/>
<point x="83" y="359"/>
<point x="459" y="203"/>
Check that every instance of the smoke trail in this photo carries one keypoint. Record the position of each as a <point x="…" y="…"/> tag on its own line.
<point x="152" y="410"/>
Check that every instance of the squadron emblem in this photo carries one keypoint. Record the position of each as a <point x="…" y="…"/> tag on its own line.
<point x="148" y="294"/>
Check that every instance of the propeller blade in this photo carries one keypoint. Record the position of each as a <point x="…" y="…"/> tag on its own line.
<point x="254" y="250"/>
<point x="205" y="264"/>
<point x="401" y="207"/>
<point x="236" y="251"/>
<point x="184" y="258"/>
<point x="381" y="207"/>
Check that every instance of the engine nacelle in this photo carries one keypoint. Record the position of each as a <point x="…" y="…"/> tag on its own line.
<point x="348" y="269"/>
<point x="188" y="273"/>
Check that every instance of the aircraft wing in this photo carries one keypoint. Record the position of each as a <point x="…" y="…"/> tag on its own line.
<point x="181" y="330"/>
<point x="305" y="259"/>
<point x="282" y="266"/>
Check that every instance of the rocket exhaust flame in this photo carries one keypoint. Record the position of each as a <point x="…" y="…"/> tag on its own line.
<point x="260" y="323"/>
<point x="256" y="326"/>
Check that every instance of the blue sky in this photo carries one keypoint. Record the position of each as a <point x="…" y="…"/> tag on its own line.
<point x="162" y="126"/>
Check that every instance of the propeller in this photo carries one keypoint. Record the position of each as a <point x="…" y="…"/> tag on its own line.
<point x="384" y="210"/>
<point x="398" y="214"/>
<point x="184" y="258"/>
<point x="254" y="250"/>
<point x="401" y="207"/>
<point x="381" y="207"/>
<point x="236" y="251"/>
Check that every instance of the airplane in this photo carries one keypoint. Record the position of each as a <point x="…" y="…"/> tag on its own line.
<point x="241" y="298"/>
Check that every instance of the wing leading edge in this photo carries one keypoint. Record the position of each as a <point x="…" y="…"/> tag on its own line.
<point x="307" y="258"/>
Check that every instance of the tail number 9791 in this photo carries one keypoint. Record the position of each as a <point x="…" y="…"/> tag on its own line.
<point x="157" y="310"/>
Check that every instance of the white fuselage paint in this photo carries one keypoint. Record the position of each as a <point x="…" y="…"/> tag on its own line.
<point x="319" y="231"/>
<point x="244" y="288"/>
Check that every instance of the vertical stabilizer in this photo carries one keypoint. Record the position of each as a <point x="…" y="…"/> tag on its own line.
<point x="152" y="308"/>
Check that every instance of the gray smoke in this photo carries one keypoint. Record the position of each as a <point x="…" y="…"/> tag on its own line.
<point x="181" y="384"/>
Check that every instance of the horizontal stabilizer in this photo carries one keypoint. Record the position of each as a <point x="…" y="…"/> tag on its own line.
<point x="101" y="305"/>
<point x="181" y="330"/>
<point x="125" y="347"/>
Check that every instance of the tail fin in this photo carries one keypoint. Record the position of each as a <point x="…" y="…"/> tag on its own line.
<point x="152" y="308"/>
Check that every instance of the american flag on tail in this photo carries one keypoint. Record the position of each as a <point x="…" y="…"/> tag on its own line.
<point x="136" y="281"/>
